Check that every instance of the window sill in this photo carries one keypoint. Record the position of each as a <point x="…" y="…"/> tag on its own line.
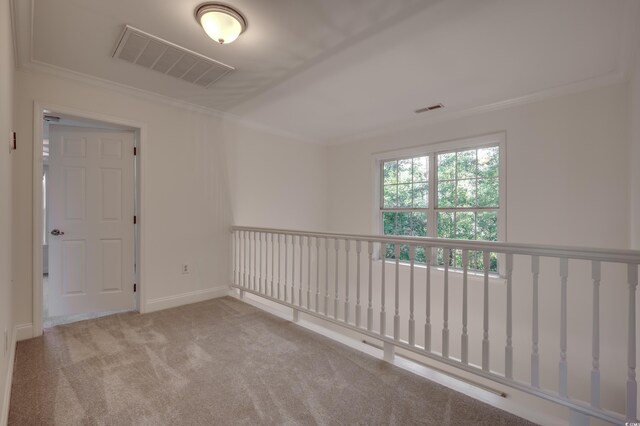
<point x="472" y="276"/>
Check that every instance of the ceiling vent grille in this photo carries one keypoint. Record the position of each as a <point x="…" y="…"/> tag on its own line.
<point x="429" y="108"/>
<point x="154" y="53"/>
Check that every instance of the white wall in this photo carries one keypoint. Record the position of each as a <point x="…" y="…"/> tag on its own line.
<point x="634" y="161"/>
<point x="6" y="125"/>
<point x="275" y="182"/>
<point x="567" y="184"/>
<point x="567" y="168"/>
<point x="634" y="178"/>
<point x="189" y="182"/>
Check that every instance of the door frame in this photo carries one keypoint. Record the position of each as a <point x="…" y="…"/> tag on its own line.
<point x="140" y="137"/>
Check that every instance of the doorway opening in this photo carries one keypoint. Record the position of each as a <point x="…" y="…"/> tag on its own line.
<point x="87" y="224"/>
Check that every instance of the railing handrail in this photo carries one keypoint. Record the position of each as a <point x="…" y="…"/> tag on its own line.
<point x="581" y="253"/>
<point x="254" y="246"/>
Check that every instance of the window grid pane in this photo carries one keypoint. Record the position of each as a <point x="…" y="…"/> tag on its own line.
<point x="468" y="178"/>
<point x="405" y="183"/>
<point x="466" y="202"/>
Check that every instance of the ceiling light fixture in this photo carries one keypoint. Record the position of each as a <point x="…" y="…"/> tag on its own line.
<point x="222" y="23"/>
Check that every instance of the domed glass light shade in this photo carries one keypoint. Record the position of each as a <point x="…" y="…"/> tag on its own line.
<point x="222" y="23"/>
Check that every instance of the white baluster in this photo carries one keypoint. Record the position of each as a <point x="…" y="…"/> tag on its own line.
<point x="309" y="273"/>
<point x="317" y="274"/>
<point x="326" y="276"/>
<point x="234" y="261"/>
<point x="238" y="258"/>
<point x="485" y="324"/>
<point x="564" y="273"/>
<point x="632" y="387"/>
<point x="252" y="262"/>
<point x="445" y="308"/>
<point x="595" y="344"/>
<point x="370" y="294"/>
<point x="535" y="357"/>
<point x="254" y="286"/>
<point x="259" y="264"/>
<point x="254" y="245"/>
<point x="465" y="337"/>
<point x="427" y="321"/>
<point x="248" y="257"/>
<point x="294" y="239"/>
<point x="300" y="284"/>
<point x="383" y="314"/>
<point x="358" y="307"/>
<point x="286" y="266"/>
<point x="264" y="253"/>
<point x="244" y="258"/>
<point x="347" y="248"/>
<point x="396" y="317"/>
<point x="508" y="350"/>
<point x="279" y="270"/>
<point x="412" y="322"/>
<point x="335" y="301"/>
<point x="273" y="262"/>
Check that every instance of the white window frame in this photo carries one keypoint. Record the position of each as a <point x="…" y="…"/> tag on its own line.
<point x="432" y="150"/>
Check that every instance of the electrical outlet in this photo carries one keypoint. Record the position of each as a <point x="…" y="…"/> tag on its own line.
<point x="185" y="268"/>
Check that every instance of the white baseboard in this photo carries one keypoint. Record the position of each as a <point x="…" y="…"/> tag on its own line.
<point x="24" y="332"/>
<point x="185" y="298"/>
<point x="507" y="404"/>
<point x="4" y="409"/>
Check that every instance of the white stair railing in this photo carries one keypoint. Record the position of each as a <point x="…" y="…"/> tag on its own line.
<point x="271" y="263"/>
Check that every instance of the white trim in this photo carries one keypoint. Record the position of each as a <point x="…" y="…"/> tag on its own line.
<point x="422" y="370"/>
<point x="451" y="144"/>
<point x="497" y="138"/>
<point x="629" y="34"/>
<point x="167" y="302"/>
<point x="23" y="17"/>
<point x="141" y="129"/>
<point x="37" y="304"/>
<point x="44" y="68"/>
<point x="14" y="30"/>
<point x="24" y="332"/>
<point x="4" y="409"/>
<point x="23" y="29"/>
<point x="608" y="79"/>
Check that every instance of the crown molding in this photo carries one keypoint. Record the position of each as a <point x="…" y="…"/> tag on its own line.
<point x="629" y="38"/>
<point x="608" y="79"/>
<point x="12" y="18"/>
<point x="78" y="77"/>
<point x="22" y="22"/>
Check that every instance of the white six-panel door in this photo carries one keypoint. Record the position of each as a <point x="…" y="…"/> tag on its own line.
<point x="91" y="204"/>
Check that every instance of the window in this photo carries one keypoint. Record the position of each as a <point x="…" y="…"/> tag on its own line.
<point x="454" y="190"/>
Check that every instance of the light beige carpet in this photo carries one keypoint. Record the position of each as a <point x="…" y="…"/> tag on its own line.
<point x="219" y="362"/>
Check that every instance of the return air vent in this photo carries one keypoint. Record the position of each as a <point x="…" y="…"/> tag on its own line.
<point x="157" y="54"/>
<point x="429" y="108"/>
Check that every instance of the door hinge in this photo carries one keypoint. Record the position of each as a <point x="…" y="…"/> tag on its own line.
<point x="135" y="220"/>
<point x="135" y="287"/>
<point x="135" y="150"/>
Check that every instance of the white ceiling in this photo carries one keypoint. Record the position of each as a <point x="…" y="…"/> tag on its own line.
<point x="329" y="70"/>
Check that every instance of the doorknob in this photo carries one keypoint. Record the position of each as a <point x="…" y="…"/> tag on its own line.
<point x="57" y="232"/>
